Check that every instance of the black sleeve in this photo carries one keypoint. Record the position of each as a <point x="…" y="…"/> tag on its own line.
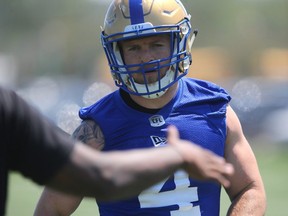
<point x="34" y="146"/>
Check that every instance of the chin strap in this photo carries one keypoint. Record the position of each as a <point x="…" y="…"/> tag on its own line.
<point x="166" y="80"/>
<point x="195" y="32"/>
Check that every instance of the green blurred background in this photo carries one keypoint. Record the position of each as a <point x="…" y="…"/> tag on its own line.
<point x="50" y="53"/>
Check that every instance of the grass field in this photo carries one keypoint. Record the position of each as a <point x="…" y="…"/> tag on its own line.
<point x="23" y="194"/>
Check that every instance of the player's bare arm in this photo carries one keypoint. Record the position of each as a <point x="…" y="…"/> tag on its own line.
<point x="247" y="192"/>
<point x="90" y="133"/>
<point x="54" y="203"/>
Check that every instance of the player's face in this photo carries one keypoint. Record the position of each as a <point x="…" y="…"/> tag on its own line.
<point x="145" y="50"/>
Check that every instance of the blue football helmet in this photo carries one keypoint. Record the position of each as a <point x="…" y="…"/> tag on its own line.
<point x="130" y="19"/>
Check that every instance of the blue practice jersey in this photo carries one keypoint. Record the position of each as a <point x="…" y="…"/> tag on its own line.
<point x="199" y="112"/>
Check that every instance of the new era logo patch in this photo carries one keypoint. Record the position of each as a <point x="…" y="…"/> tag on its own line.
<point x="158" y="141"/>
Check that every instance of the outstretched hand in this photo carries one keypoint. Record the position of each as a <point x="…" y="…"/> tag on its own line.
<point x="200" y="163"/>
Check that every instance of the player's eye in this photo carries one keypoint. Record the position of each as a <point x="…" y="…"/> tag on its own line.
<point x="132" y="48"/>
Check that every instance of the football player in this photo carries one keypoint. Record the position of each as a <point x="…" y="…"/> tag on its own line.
<point x="148" y="47"/>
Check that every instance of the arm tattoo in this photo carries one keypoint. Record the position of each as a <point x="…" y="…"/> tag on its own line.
<point x="90" y="133"/>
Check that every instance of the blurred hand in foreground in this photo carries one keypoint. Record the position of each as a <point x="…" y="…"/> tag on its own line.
<point x="203" y="164"/>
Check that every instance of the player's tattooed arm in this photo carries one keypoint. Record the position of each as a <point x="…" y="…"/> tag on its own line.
<point x="90" y="133"/>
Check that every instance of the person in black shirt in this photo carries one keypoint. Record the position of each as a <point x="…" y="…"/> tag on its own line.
<point x="41" y="151"/>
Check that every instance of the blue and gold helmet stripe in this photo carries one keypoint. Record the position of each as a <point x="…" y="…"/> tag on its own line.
<point x="136" y="11"/>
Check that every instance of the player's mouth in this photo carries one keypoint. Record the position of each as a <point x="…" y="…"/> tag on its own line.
<point x="150" y="71"/>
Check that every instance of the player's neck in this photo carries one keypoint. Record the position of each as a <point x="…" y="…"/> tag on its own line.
<point x="156" y="103"/>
